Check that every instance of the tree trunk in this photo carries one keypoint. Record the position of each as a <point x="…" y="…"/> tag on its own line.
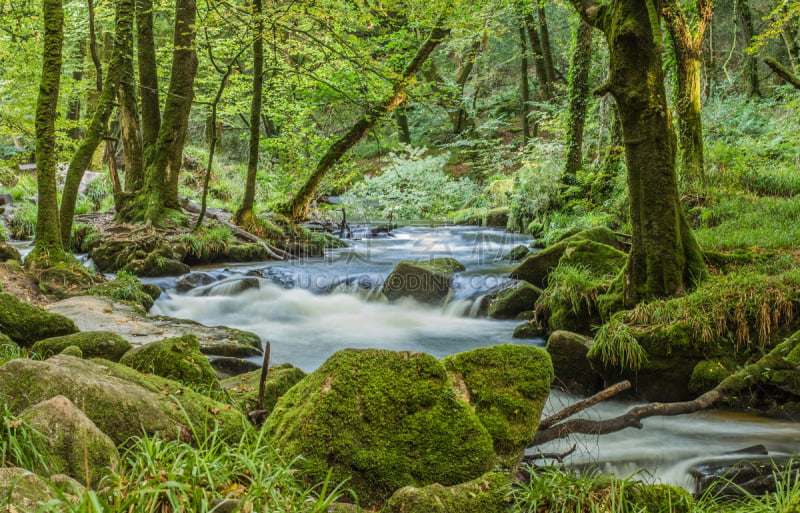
<point x="750" y="68"/>
<point x="539" y="66"/>
<point x="245" y="212"/>
<point x="789" y="34"/>
<point x="148" y="76"/>
<point x="123" y="44"/>
<point x="578" y="94"/>
<point x="130" y="130"/>
<point x="459" y="116"/>
<point x="665" y="259"/>
<point x="400" y="117"/>
<point x="297" y="208"/>
<point x="688" y="46"/>
<point x="523" y="85"/>
<point x="547" y="51"/>
<point x="48" y="249"/>
<point x="160" y="191"/>
<point x="74" y="108"/>
<point x="783" y="72"/>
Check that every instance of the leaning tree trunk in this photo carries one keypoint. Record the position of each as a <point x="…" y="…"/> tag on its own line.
<point x="578" y="94"/>
<point x="665" y="259"/>
<point x="297" y="208"/>
<point x="47" y="248"/>
<point x="401" y="119"/>
<point x="123" y="43"/>
<point x="688" y="47"/>
<point x="539" y="66"/>
<point x="159" y="193"/>
<point x="244" y="214"/>
<point x="783" y="72"/>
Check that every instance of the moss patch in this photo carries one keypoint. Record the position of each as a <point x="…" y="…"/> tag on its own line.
<point x="427" y="282"/>
<point x="93" y="344"/>
<point x="26" y="324"/>
<point x="508" y="386"/>
<point x="384" y="419"/>
<point x="176" y="358"/>
<point x="511" y="302"/>
<point x="126" y="287"/>
<point x="243" y="389"/>
<point x="487" y="494"/>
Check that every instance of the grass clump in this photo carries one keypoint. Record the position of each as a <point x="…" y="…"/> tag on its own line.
<point x="127" y="287"/>
<point x="20" y="443"/>
<point x="617" y="346"/>
<point x="23" y="223"/>
<point x="574" y="286"/>
<point x="207" y="242"/>
<point x="742" y="221"/>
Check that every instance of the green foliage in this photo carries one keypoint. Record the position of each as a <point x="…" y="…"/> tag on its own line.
<point x="9" y="350"/>
<point x="20" y="443"/>
<point x="207" y="242"/>
<point x="97" y="191"/>
<point x="617" y="347"/>
<point x="127" y="287"/>
<point x="411" y="186"/>
<point x="23" y="224"/>
<point x="739" y="221"/>
<point x="576" y="286"/>
<point x="25" y="189"/>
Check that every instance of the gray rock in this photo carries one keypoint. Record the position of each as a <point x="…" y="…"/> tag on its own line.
<point x="573" y="372"/>
<point x="427" y="281"/>
<point x="193" y="280"/>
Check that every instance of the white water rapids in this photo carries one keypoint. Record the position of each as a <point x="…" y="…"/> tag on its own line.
<point x="308" y="309"/>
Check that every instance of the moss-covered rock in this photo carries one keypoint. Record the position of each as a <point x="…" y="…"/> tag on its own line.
<point x="487" y="494"/>
<point x="529" y="329"/>
<point x="427" y="281"/>
<point x="573" y="372"/>
<point x="93" y="344"/>
<point x="9" y="253"/>
<point x="496" y="217"/>
<point x="5" y="340"/>
<point x="535" y="268"/>
<point x="121" y="401"/>
<point x="176" y="358"/>
<point x="72" y="351"/>
<point x="126" y="287"/>
<point x="229" y="367"/>
<point x="710" y="373"/>
<point x="243" y="389"/>
<point x="75" y="445"/>
<point x="21" y="490"/>
<point x="385" y="420"/>
<point x="518" y="253"/>
<point x="25" y="323"/>
<point x="598" y="257"/>
<point x="511" y="302"/>
<point x="193" y="280"/>
<point x="508" y="386"/>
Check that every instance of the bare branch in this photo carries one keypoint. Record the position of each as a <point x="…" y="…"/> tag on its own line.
<point x="572" y="409"/>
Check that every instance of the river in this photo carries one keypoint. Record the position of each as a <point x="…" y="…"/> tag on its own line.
<point x="310" y="308"/>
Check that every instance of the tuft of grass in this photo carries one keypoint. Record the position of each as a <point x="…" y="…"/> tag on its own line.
<point x="617" y="346"/>
<point x="207" y="242"/>
<point x="22" y="225"/>
<point x="20" y="443"/>
<point x="574" y="285"/>
<point x="127" y="287"/>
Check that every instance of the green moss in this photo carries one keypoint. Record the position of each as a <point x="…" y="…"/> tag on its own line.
<point x="126" y="287"/>
<point x="72" y="351"/>
<point x="511" y="302"/>
<point x="518" y="253"/>
<point x="530" y="329"/>
<point x="427" y="281"/>
<point x="383" y="419"/>
<point x="508" y="386"/>
<point x="176" y="358"/>
<point x="8" y="252"/>
<point x="26" y="324"/>
<point x="496" y="217"/>
<point x="93" y="344"/>
<point x="243" y="389"/>
<point x="710" y="373"/>
<point x="487" y="494"/>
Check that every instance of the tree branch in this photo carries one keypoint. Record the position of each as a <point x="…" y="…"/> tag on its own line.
<point x="572" y="409"/>
<point x="782" y="71"/>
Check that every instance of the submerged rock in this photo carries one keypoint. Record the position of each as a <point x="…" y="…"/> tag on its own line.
<point x="229" y="367"/>
<point x="102" y="313"/>
<point x="193" y="280"/>
<point x="122" y="402"/>
<point x="75" y="445"/>
<point x="384" y="420"/>
<point x="487" y="494"/>
<point x="25" y="323"/>
<point x="92" y="344"/>
<point x="427" y="282"/>
<point x="517" y="299"/>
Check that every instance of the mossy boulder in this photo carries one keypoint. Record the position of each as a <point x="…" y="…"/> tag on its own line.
<point x="5" y="340"/>
<point x="142" y="254"/>
<point x="508" y="386"/>
<point x="25" y="323"/>
<point x="496" y="217"/>
<point x="510" y="302"/>
<point x="428" y="281"/>
<point x="93" y="344"/>
<point x="383" y="420"/>
<point x="518" y="253"/>
<point x="121" y="401"/>
<point x="75" y="445"/>
<point x="574" y="374"/>
<point x="176" y="358"/>
<point x="72" y="351"/>
<point x="21" y="490"/>
<point x="535" y="268"/>
<point x="193" y="280"/>
<point x="229" y="367"/>
<point x="710" y="373"/>
<point x="243" y="389"/>
<point x="529" y="329"/>
<point x="598" y="257"/>
<point x="9" y="253"/>
<point x="487" y="494"/>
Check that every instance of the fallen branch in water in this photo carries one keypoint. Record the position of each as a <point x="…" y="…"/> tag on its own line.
<point x="572" y="409"/>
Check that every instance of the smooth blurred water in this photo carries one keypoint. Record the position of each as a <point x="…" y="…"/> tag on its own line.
<point x="308" y="309"/>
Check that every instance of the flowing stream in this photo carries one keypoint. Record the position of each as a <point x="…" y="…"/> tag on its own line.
<point x="308" y="309"/>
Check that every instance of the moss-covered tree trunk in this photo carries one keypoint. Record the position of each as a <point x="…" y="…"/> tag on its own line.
<point x="539" y="67"/>
<point x="578" y="94"/>
<point x="524" y="92"/>
<point x="665" y="259"/>
<point x="48" y="249"/>
<point x="401" y="118"/>
<point x="297" y="208"/>
<point x="130" y="130"/>
<point x="547" y="50"/>
<point x="148" y="78"/>
<point x="159" y="193"/>
<point x="687" y="43"/>
<point x="750" y="68"/>
<point x="244" y="214"/>
<point x="783" y="72"/>
<point x="97" y="126"/>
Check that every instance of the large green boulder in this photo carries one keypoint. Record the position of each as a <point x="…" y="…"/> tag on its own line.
<point x="507" y="385"/>
<point x="381" y="420"/>
<point x="487" y="494"/>
<point x="23" y="491"/>
<point x="9" y="253"/>
<point x="573" y="372"/>
<point x="75" y="445"/>
<point x="25" y="323"/>
<point x="600" y="258"/>
<point x="93" y="344"/>
<point x="243" y="389"/>
<point x="511" y="302"/>
<point x="121" y="401"/>
<point x="535" y="268"/>
<point x="428" y="281"/>
<point x="176" y="358"/>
